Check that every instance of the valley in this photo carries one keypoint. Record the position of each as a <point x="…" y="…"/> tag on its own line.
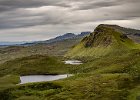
<point x="106" y="67"/>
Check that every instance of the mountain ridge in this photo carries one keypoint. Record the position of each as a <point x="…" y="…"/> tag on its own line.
<point x="52" y="40"/>
<point x="60" y="38"/>
<point x="133" y="34"/>
<point x="103" y="41"/>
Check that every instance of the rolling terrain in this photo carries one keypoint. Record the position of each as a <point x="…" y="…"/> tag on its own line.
<point x="110" y="69"/>
<point x="54" y="47"/>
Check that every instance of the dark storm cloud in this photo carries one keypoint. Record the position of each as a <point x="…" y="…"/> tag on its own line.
<point x="59" y="15"/>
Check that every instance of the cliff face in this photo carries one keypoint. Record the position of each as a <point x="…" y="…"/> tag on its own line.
<point x="104" y="40"/>
<point x="104" y="35"/>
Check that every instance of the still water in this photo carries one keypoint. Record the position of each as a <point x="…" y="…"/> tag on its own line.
<point x="73" y="62"/>
<point x="41" y="78"/>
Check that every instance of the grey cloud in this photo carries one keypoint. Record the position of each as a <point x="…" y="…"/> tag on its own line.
<point x="57" y="15"/>
<point x="23" y="18"/>
<point x="8" y="5"/>
<point x="94" y="4"/>
<point x="69" y="14"/>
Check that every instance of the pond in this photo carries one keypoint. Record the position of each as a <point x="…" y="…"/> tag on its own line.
<point x="73" y="62"/>
<point x="41" y="78"/>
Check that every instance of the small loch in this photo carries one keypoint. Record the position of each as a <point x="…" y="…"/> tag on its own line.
<point x="73" y="62"/>
<point x="42" y="78"/>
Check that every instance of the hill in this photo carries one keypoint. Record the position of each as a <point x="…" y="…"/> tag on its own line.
<point x="54" y="47"/>
<point x="66" y="36"/>
<point x="60" y="38"/>
<point x="34" y="64"/>
<point x="106" y="39"/>
<point x="10" y="43"/>
<point x="110" y="70"/>
<point x="133" y="34"/>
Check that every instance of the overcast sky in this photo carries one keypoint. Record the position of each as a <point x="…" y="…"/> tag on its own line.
<point x="31" y="20"/>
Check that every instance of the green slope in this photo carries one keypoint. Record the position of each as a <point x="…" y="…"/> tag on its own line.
<point x="103" y="41"/>
<point x="111" y="71"/>
<point x="53" y="49"/>
<point x="35" y="64"/>
<point x="107" y="78"/>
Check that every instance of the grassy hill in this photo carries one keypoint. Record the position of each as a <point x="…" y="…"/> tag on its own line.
<point x="133" y="34"/>
<point x="35" y="64"/>
<point x="105" y="40"/>
<point x="107" y="78"/>
<point x="30" y="65"/>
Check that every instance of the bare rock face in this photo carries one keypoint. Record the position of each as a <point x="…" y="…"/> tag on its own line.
<point x="100" y="37"/>
<point x="105" y="35"/>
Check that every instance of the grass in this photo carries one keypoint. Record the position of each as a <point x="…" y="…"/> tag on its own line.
<point x="8" y="81"/>
<point x="97" y="87"/>
<point x="109" y="73"/>
<point x="107" y="78"/>
<point x="29" y="91"/>
<point x="134" y="94"/>
<point x="106" y="42"/>
<point x="53" y="49"/>
<point x="35" y="64"/>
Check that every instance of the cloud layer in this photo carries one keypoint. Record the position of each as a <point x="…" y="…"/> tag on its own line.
<point x="29" y="20"/>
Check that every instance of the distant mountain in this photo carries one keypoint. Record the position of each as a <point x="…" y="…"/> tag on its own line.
<point x="10" y="43"/>
<point x="61" y="38"/>
<point x="83" y="34"/>
<point x="67" y="36"/>
<point x="56" y="39"/>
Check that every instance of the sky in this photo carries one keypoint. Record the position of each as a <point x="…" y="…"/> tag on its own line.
<point x="33" y="20"/>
